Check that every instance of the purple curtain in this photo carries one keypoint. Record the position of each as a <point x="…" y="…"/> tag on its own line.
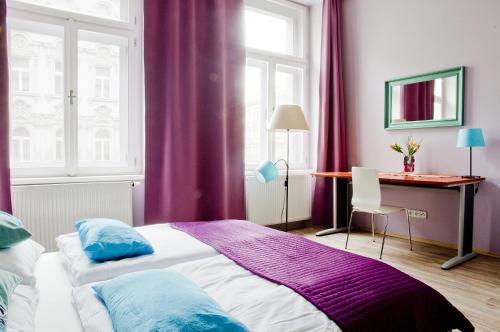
<point x="417" y="101"/>
<point x="194" y="75"/>
<point x="5" y="202"/>
<point x="331" y="141"/>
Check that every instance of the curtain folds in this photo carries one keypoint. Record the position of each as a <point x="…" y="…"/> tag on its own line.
<point x="194" y="61"/>
<point x="417" y="101"/>
<point x="331" y="130"/>
<point x="5" y="200"/>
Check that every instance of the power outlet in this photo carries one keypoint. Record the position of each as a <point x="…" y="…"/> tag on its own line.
<point x="418" y="214"/>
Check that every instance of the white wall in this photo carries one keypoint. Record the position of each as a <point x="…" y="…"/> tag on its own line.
<point x="385" y="39"/>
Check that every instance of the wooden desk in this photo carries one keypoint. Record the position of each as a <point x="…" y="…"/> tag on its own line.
<point x="465" y="186"/>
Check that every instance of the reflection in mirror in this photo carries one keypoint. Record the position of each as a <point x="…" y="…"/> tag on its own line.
<point x="426" y="100"/>
<point x="429" y="100"/>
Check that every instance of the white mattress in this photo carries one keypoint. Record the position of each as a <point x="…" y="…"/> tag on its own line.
<point x="171" y="247"/>
<point x="55" y="312"/>
<point x="259" y="304"/>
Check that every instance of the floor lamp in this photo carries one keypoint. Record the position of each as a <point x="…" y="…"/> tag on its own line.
<point x="286" y="118"/>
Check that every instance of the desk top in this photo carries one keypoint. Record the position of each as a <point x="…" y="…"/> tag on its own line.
<point x="412" y="179"/>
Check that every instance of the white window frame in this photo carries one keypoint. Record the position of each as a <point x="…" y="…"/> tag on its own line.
<point x="300" y="15"/>
<point x="133" y="98"/>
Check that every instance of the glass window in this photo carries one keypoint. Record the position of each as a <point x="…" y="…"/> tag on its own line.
<point x="275" y="75"/>
<point x="289" y="90"/>
<point x="109" y="9"/>
<point x="70" y="89"/>
<point x="58" y="77"/>
<point x="102" y="145"/>
<point x="21" y="145"/>
<point x="33" y="103"/>
<point x="256" y="111"/>
<point x="59" y="145"/>
<point x="20" y="74"/>
<point x="107" y="56"/>
<point x="269" y="32"/>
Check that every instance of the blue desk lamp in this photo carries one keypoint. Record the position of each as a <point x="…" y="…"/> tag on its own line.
<point x="285" y="118"/>
<point x="469" y="138"/>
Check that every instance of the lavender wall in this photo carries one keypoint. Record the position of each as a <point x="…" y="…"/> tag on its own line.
<point x="385" y="39"/>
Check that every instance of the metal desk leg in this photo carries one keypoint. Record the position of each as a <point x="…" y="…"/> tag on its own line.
<point x="465" y="228"/>
<point x="340" y="208"/>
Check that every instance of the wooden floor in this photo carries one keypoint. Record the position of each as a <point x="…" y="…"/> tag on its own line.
<point x="473" y="287"/>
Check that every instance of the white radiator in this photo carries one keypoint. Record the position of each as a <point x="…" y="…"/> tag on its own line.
<point x="264" y="201"/>
<point x="50" y="210"/>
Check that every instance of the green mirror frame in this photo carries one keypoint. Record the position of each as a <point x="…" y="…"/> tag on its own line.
<point x="458" y="72"/>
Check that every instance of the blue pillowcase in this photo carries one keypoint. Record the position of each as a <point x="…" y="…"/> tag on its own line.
<point x="8" y="282"/>
<point x="107" y="239"/>
<point x="11" y="230"/>
<point x="162" y="300"/>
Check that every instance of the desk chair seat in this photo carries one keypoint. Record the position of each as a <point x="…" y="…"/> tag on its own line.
<point x="367" y="198"/>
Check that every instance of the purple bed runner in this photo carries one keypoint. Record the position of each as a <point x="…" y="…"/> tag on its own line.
<point x="357" y="293"/>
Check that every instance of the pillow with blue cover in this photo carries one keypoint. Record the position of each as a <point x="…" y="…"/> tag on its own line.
<point x="108" y="239"/>
<point x="11" y="230"/>
<point x="162" y="300"/>
<point x="8" y="282"/>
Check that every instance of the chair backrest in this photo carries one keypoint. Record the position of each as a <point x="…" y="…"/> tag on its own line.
<point x="366" y="188"/>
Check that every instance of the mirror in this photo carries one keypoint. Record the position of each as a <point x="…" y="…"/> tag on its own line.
<point x="426" y="100"/>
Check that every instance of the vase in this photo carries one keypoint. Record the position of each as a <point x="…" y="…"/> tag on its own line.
<point x="409" y="164"/>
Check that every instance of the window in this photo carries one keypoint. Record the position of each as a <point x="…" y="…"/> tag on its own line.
<point x="83" y="75"/>
<point x="108" y="9"/>
<point x="58" y="77"/>
<point x="59" y="145"/>
<point x="21" y="145"/>
<point x="276" y="70"/>
<point x="102" y="145"/>
<point x="20" y="74"/>
<point x="102" y="81"/>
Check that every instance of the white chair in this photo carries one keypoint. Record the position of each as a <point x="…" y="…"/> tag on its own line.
<point x="366" y="198"/>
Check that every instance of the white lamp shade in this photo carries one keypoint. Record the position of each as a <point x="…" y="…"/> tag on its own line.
<point x="288" y="117"/>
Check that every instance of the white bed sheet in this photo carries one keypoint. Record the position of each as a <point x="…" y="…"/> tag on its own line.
<point x="259" y="304"/>
<point x="22" y="307"/>
<point x="55" y="312"/>
<point x="171" y="247"/>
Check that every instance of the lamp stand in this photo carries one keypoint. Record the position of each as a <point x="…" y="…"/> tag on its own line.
<point x="470" y="176"/>
<point x="286" y="178"/>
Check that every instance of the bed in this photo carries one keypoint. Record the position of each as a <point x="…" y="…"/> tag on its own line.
<point x="243" y="276"/>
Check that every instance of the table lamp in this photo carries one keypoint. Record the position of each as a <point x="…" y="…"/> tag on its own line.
<point x="469" y="138"/>
<point x="285" y="118"/>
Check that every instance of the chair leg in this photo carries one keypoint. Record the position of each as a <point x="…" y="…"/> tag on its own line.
<point x="349" y="229"/>
<point x="383" y="239"/>
<point x="409" y="229"/>
<point x="373" y="228"/>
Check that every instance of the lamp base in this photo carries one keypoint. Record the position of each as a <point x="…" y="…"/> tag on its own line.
<point x="471" y="176"/>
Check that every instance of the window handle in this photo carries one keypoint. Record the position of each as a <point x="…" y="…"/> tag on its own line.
<point x="71" y="96"/>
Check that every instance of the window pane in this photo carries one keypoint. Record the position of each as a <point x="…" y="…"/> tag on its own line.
<point x="36" y="110"/>
<point x="290" y="90"/>
<point x="256" y="111"/>
<point x="110" y="9"/>
<point x="269" y="32"/>
<point x="102" y="100"/>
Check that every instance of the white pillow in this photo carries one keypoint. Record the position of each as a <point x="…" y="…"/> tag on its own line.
<point x="21" y="310"/>
<point x="21" y="260"/>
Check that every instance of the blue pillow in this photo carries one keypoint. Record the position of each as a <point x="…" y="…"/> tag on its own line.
<point x="162" y="300"/>
<point x="8" y="282"/>
<point x="107" y="239"/>
<point x="11" y="230"/>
